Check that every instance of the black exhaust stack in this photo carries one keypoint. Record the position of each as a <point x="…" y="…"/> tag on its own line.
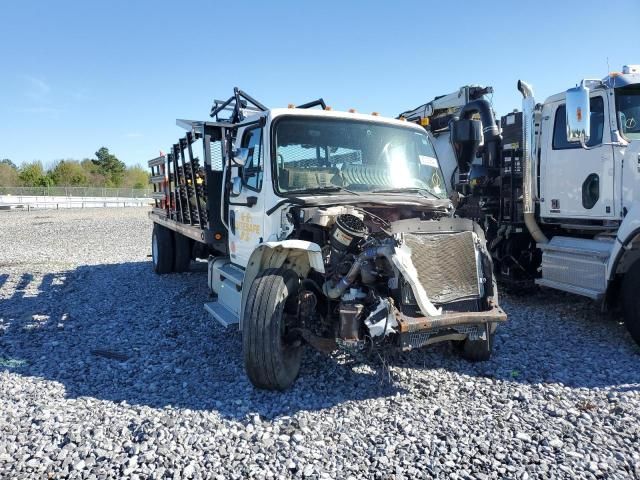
<point x="465" y="140"/>
<point x="492" y="139"/>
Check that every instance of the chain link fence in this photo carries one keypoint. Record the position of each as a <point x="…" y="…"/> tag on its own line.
<point x="77" y="192"/>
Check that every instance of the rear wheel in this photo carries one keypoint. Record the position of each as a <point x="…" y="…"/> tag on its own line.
<point x="183" y="249"/>
<point x="631" y="301"/>
<point x="162" y="249"/>
<point x="272" y="355"/>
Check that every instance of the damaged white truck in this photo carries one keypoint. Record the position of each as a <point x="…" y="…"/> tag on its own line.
<point x="322" y="228"/>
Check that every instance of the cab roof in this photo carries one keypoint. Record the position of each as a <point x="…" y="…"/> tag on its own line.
<point x="301" y="112"/>
<point x="613" y="80"/>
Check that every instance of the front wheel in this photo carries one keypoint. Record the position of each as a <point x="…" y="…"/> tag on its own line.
<point x="480" y="350"/>
<point x="477" y="350"/>
<point x="272" y="354"/>
<point x="631" y="301"/>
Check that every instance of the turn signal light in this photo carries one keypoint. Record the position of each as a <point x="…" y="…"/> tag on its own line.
<point x="424" y="121"/>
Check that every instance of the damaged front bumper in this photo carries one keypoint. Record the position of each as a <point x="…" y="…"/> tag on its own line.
<point x="416" y="332"/>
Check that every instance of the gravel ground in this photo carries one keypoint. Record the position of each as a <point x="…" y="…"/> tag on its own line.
<point x="109" y="371"/>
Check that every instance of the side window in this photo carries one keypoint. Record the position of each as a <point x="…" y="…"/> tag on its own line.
<point x="597" y="126"/>
<point x="253" y="167"/>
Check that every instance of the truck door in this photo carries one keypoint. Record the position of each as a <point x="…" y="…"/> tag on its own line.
<point x="246" y="211"/>
<point x="576" y="183"/>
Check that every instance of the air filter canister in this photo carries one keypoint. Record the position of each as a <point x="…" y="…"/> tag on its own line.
<point x="347" y="232"/>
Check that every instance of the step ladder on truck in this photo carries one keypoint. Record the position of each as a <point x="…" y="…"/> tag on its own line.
<point x="555" y="186"/>
<point x="321" y="228"/>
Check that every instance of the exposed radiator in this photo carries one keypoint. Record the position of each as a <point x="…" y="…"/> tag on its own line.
<point x="446" y="265"/>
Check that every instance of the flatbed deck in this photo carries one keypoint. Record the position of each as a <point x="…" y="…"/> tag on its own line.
<point x="192" y="231"/>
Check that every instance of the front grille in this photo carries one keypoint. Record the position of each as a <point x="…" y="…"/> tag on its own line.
<point x="446" y="265"/>
<point x="411" y="340"/>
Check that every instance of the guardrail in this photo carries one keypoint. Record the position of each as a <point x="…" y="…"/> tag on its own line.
<point x="57" y="203"/>
<point x="27" y="198"/>
<point x="77" y="192"/>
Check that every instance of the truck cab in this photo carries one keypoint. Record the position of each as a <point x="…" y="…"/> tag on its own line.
<point x="588" y="191"/>
<point x="329" y="229"/>
<point x="591" y="183"/>
<point x="321" y="157"/>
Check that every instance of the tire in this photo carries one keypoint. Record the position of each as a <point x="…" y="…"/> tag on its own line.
<point x="477" y="350"/>
<point x="481" y="350"/>
<point x="271" y="362"/>
<point x="162" y="249"/>
<point x="183" y="249"/>
<point x="631" y="301"/>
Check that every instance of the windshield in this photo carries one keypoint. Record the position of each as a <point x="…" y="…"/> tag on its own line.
<point x="333" y="154"/>
<point x="628" y="108"/>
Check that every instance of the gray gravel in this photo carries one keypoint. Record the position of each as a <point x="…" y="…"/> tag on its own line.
<point x="109" y="371"/>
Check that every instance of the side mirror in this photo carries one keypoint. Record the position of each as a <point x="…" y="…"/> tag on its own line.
<point x="578" y="114"/>
<point x="240" y="156"/>
<point x="457" y="199"/>
<point x="236" y="186"/>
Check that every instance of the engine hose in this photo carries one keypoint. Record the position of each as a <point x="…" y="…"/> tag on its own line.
<point x="335" y="290"/>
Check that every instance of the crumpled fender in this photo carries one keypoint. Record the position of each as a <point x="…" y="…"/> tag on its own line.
<point x="302" y="255"/>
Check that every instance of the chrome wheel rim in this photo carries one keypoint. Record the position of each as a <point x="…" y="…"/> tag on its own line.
<point x="154" y="249"/>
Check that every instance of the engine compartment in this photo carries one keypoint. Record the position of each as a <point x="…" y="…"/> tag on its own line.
<point x="374" y="289"/>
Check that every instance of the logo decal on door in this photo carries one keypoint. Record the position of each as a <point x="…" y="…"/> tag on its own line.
<point x="246" y="227"/>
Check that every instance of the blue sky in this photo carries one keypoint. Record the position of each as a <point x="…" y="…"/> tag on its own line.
<point x="78" y="75"/>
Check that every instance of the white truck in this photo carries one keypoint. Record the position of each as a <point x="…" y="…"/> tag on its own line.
<point x="325" y="228"/>
<point x="556" y="186"/>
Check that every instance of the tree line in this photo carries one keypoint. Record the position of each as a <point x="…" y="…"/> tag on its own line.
<point x="105" y="170"/>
